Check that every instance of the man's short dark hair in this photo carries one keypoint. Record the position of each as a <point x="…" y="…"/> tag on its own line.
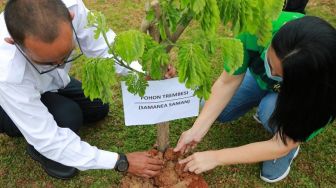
<point x="38" y="18"/>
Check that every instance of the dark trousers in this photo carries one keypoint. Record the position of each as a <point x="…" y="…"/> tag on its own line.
<point x="69" y="107"/>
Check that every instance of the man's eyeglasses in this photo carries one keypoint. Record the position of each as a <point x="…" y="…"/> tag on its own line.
<point x="49" y="68"/>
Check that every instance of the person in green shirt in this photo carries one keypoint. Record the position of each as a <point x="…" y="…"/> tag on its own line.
<point x="292" y="82"/>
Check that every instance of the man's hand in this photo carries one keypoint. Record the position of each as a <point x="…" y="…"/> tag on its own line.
<point x="141" y="164"/>
<point x="200" y="162"/>
<point x="171" y="72"/>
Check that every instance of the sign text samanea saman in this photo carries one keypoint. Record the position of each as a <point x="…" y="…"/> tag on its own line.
<point x="164" y="100"/>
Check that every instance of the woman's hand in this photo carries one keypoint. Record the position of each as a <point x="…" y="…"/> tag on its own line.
<point x="221" y="93"/>
<point x="188" y="141"/>
<point x="200" y="162"/>
<point x="141" y="164"/>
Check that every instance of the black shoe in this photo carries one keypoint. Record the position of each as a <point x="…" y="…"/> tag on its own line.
<point x="52" y="168"/>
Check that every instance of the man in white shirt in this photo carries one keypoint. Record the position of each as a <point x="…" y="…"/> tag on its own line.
<point x="38" y="99"/>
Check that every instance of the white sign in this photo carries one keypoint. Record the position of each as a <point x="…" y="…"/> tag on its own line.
<point x="165" y="100"/>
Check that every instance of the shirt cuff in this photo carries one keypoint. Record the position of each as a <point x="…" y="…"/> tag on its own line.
<point x="107" y="160"/>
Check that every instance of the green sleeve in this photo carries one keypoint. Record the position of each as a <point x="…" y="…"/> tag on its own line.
<point x="314" y="134"/>
<point x="320" y="130"/>
<point x="250" y="44"/>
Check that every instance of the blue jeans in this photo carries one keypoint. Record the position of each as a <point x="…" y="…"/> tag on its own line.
<point x="248" y="96"/>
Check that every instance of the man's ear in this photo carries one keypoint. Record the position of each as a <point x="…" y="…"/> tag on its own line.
<point x="72" y="15"/>
<point x="9" y="40"/>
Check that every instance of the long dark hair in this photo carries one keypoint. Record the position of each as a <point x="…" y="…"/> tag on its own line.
<point x="295" y="6"/>
<point x="307" y="100"/>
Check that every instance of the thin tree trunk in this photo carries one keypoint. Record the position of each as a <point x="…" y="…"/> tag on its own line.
<point x="163" y="136"/>
<point x="151" y="29"/>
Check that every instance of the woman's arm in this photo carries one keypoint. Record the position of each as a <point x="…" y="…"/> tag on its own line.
<point x="222" y="92"/>
<point x="250" y="153"/>
<point x="256" y="152"/>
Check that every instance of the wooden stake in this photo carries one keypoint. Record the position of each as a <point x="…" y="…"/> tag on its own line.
<point x="163" y="136"/>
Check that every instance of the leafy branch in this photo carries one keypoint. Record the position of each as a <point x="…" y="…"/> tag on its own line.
<point x="165" y="22"/>
<point x="97" y="20"/>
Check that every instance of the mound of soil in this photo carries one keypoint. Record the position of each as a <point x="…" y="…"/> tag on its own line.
<point x="171" y="176"/>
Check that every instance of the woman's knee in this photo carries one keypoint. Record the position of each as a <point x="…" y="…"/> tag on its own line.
<point x="265" y="110"/>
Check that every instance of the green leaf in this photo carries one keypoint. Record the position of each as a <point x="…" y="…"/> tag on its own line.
<point x="98" y="78"/>
<point x="209" y="17"/>
<point x="150" y="15"/>
<point x="154" y="59"/>
<point x="271" y="12"/>
<point x="170" y="13"/>
<point x="252" y="16"/>
<point x="193" y="69"/>
<point x="184" y="4"/>
<point x="159" y="58"/>
<point x="162" y="30"/>
<point x="136" y="84"/>
<point x="232" y="53"/>
<point x="129" y="45"/>
<point x="173" y="16"/>
<point x="198" y="5"/>
<point x="98" y="21"/>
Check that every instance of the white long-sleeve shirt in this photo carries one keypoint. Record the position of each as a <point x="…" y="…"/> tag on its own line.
<point x="21" y="87"/>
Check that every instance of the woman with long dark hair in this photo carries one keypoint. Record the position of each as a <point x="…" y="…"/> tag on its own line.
<point x="293" y="84"/>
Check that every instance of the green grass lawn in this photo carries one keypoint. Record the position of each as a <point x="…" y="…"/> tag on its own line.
<point x="314" y="167"/>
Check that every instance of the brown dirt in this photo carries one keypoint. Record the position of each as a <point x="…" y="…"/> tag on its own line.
<point x="172" y="175"/>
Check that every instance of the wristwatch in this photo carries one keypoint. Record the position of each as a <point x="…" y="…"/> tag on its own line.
<point x="122" y="163"/>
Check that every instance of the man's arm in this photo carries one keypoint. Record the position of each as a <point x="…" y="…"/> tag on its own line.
<point x="22" y="104"/>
